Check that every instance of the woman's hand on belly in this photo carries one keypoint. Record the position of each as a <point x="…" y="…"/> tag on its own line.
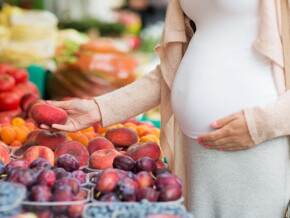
<point x="232" y="134"/>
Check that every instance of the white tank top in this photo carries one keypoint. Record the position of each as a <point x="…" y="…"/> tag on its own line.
<point x="220" y="72"/>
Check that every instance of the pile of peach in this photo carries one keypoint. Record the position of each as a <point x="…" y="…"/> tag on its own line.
<point x="14" y="131"/>
<point x="95" y="146"/>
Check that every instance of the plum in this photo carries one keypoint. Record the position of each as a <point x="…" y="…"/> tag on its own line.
<point x="40" y="193"/>
<point x="167" y="179"/>
<point x="61" y="173"/>
<point x="144" y="179"/>
<point x="161" y="170"/>
<point x="40" y="163"/>
<point x="15" y="163"/>
<point x="73" y="183"/>
<point x="170" y="193"/>
<point x="23" y="176"/>
<point x="124" y="162"/>
<point x="127" y="189"/>
<point x="80" y="176"/>
<point x="108" y="180"/>
<point x="149" y="194"/>
<point x="145" y="164"/>
<point x="109" y="197"/>
<point x="61" y="194"/>
<point x="68" y="162"/>
<point x="46" y="177"/>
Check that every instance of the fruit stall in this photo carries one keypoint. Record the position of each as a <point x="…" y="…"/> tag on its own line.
<point x="117" y="171"/>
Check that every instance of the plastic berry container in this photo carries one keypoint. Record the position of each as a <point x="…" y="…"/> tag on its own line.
<point x="11" y="197"/>
<point x="133" y="210"/>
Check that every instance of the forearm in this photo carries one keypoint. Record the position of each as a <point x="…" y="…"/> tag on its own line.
<point x="131" y="100"/>
<point x="270" y="121"/>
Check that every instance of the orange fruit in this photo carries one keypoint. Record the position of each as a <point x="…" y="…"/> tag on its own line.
<point x="130" y="125"/>
<point x="8" y="135"/>
<point x="82" y="139"/>
<point x="30" y="126"/>
<point x="16" y="143"/>
<point x="90" y="135"/>
<point x="25" y="129"/>
<point x="148" y="138"/>
<point x="74" y="134"/>
<point x="119" y="125"/>
<point x="17" y="121"/>
<point x="141" y="129"/>
<point x="103" y="130"/>
<point x="90" y="129"/>
<point x="156" y="131"/>
<point x="20" y="135"/>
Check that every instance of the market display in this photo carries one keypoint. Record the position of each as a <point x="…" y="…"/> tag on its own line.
<point x="119" y="163"/>
<point x="117" y="171"/>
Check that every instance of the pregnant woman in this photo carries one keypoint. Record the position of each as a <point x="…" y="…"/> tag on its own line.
<point x="225" y="113"/>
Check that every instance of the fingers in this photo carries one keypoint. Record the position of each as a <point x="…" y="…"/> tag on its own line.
<point x="43" y="126"/>
<point x="60" y="104"/>
<point x="215" y="135"/>
<point x="220" y="143"/>
<point x="65" y="128"/>
<point x="224" y="121"/>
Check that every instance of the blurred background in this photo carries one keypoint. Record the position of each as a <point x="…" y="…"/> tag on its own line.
<point x="81" y="48"/>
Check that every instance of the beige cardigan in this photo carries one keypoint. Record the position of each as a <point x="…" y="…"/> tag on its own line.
<point x="154" y="88"/>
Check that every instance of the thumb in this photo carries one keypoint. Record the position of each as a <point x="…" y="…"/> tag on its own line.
<point x="222" y="122"/>
<point x="60" y="104"/>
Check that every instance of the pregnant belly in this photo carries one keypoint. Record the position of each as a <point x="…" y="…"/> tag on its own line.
<point x="207" y="90"/>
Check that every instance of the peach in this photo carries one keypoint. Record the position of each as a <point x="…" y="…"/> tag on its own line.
<point x="31" y="104"/>
<point x="122" y="152"/>
<point x="35" y="152"/>
<point x="42" y="137"/>
<point x="4" y="154"/>
<point x="27" y="99"/>
<point x="73" y="148"/>
<point x="47" y="114"/>
<point x="122" y="136"/>
<point x="140" y="150"/>
<point x="103" y="159"/>
<point x="50" y="139"/>
<point x="99" y="143"/>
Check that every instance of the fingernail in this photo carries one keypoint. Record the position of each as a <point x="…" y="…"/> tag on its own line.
<point x="220" y="149"/>
<point x="207" y="146"/>
<point x="48" y="101"/>
<point x="199" y="141"/>
<point x="213" y="124"/>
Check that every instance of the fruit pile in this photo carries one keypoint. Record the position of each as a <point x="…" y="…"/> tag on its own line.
<point x="45" y="183"/>
<point x="144" y="209"/>
<point x="95" y="146"/>
<point x="132" y="181"/>
<point x="14" y="85"/>
<point x="124" y="161"/>
<point x="13" y="132"/>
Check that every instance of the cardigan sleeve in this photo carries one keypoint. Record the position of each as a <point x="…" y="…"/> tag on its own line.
<point x="269" y="121"/>
<point x="131" y="100"/>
